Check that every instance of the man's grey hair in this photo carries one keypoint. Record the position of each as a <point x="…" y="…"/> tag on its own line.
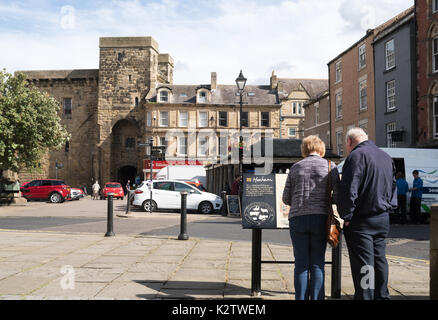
<point x="356" y="133"/>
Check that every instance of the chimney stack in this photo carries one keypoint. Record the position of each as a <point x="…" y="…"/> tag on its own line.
<point x="213" y="81"/>
<point x="274" y="81"/>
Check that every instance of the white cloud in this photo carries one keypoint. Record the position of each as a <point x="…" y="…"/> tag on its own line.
<point x="295" y="38"/>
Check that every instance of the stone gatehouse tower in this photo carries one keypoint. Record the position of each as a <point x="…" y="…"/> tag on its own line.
<point x="103" y="110"/>
<point x="130" y="98"/>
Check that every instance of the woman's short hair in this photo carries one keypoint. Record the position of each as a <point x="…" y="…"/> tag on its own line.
<point x="312" y="144"/>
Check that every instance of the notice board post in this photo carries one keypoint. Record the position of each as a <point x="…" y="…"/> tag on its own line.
<point x="263" y="208"/>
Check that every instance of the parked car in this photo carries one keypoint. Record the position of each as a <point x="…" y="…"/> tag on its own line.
<point x="76" y="193"/>
<point x="113" y="187"/>
<point x="54" y="190"/>
<point x="166" y="195"/>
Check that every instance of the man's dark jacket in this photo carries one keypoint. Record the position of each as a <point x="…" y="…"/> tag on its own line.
<point x="368" y="184"/>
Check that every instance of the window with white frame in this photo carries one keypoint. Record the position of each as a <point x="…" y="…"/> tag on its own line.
<point x="435" y="55"/>
<point x="434" y="6"/>
<point x="292" y="132"/>
<point x="390" y="127"/>
<point x="202" y="97"/>
<point x="203" y="119"/>
<point x="294" y="108"/>
<point x="339" y="105"/>
<point x="338" y="71"/>
<point x="203" y="146"/>
<point x="264" y="119"/>
<point x="362" y="56"/>
<point x="390" y="54"/>
<point x="223" y="119"/>
<point x="183" y="119"/>
<point x="148" y="119"/>
<point x="164" y="96"/>
<point x="435" y="117"/>
<point x="182" y="145"/>
<point x="390" y="95"/>
<point x="340" y="142"/>
<point x="300" y="108"/>
<point x="363" y="104"/>
<point x="164" y="119"/>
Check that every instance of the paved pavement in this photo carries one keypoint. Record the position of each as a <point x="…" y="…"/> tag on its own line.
<point x="58" y="264"/>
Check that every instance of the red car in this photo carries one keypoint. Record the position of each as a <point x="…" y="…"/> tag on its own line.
<point x="112" y="187"/>
<point x="46" y="189"/>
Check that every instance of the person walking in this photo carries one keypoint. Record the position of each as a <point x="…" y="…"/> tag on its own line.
<point x="367" y="193"/>
<point x="95" y="188"/>
<point x="402" y="190"/>
<point x="416" y="196"/>
<point x="306" y="194"/>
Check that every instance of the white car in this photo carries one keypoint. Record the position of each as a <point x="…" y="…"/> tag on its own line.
<point x="166" y="194"/>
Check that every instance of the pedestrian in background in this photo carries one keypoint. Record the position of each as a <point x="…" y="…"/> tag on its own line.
<point x="235" y="188"/>
<point x="95" y="188"/>
<point x="367" y="193"/>
<point x="402" y="190"/>
<point x="307" y="195"/>
<point x="416" y="195"/>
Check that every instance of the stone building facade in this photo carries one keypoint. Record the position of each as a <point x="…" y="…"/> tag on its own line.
<point x="427" y="73"/>
<point x="293" y="94"/>
<point x="110" y="110"/>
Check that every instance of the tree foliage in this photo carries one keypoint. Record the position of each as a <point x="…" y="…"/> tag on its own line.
<point x="30" y="124"/>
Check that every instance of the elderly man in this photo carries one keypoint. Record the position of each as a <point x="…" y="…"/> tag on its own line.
<point x="367" y="193"/>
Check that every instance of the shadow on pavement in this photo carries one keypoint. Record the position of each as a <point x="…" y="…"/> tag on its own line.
<point x="200" y="290"/>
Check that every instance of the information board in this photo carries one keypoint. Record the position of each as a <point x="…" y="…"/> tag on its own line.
<point x="233" y="205"/>
<point x="262" y="206"/>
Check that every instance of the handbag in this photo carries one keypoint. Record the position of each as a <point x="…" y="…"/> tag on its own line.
<point x="332" y="225"/>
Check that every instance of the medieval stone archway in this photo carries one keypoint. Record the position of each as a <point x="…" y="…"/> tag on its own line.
<point x="124" y="153"/>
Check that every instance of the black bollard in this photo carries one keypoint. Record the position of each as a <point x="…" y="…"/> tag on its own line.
<point x="336" y="270"/>
<point x="183" y="233"/>
<point x="224" y="203"/>
<point x="128" y="203"/>
<point x="110" y="232"/>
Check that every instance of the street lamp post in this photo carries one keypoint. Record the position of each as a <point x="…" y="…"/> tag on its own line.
<point x="241" y="82"/>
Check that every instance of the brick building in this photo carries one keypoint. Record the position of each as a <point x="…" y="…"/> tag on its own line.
<point x="352" y="87"/>
<point x="317" y="120"/>
<point x="130" y="98"/>
<point x="427" y="72"/>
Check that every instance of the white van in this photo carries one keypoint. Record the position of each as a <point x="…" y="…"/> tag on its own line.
<point x="183" y="172"/>
<point x="426" y="162"/>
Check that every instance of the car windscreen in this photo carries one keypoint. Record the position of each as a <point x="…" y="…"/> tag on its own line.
<point x="113" y="185"/>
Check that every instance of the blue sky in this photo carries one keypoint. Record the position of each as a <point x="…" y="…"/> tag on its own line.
<point x="296" y="38"/>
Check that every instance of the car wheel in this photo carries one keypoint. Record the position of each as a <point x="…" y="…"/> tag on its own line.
<point x="55" y="197"/>
<point x="205" y="207"/>
<point x="147" y="205"/>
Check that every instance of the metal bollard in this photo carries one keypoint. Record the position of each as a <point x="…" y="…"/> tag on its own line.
<point x="224" y="203"/>
<point x="128" y="203"/>
<point x="110" y="232"/>
<point x="183" y="232"/>
<point x="336" y="270"/>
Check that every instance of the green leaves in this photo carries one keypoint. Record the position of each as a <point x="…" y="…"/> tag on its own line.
<point x="29" y="123"/>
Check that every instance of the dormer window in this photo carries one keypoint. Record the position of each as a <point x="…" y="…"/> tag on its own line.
<point x="203" y="96"/>
<point x="164" y="95"/>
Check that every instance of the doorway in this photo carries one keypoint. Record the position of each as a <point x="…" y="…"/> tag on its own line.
<point x="126" y="173"/>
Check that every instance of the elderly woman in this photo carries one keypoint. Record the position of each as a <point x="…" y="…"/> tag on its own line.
<point x="306" y="194"/>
